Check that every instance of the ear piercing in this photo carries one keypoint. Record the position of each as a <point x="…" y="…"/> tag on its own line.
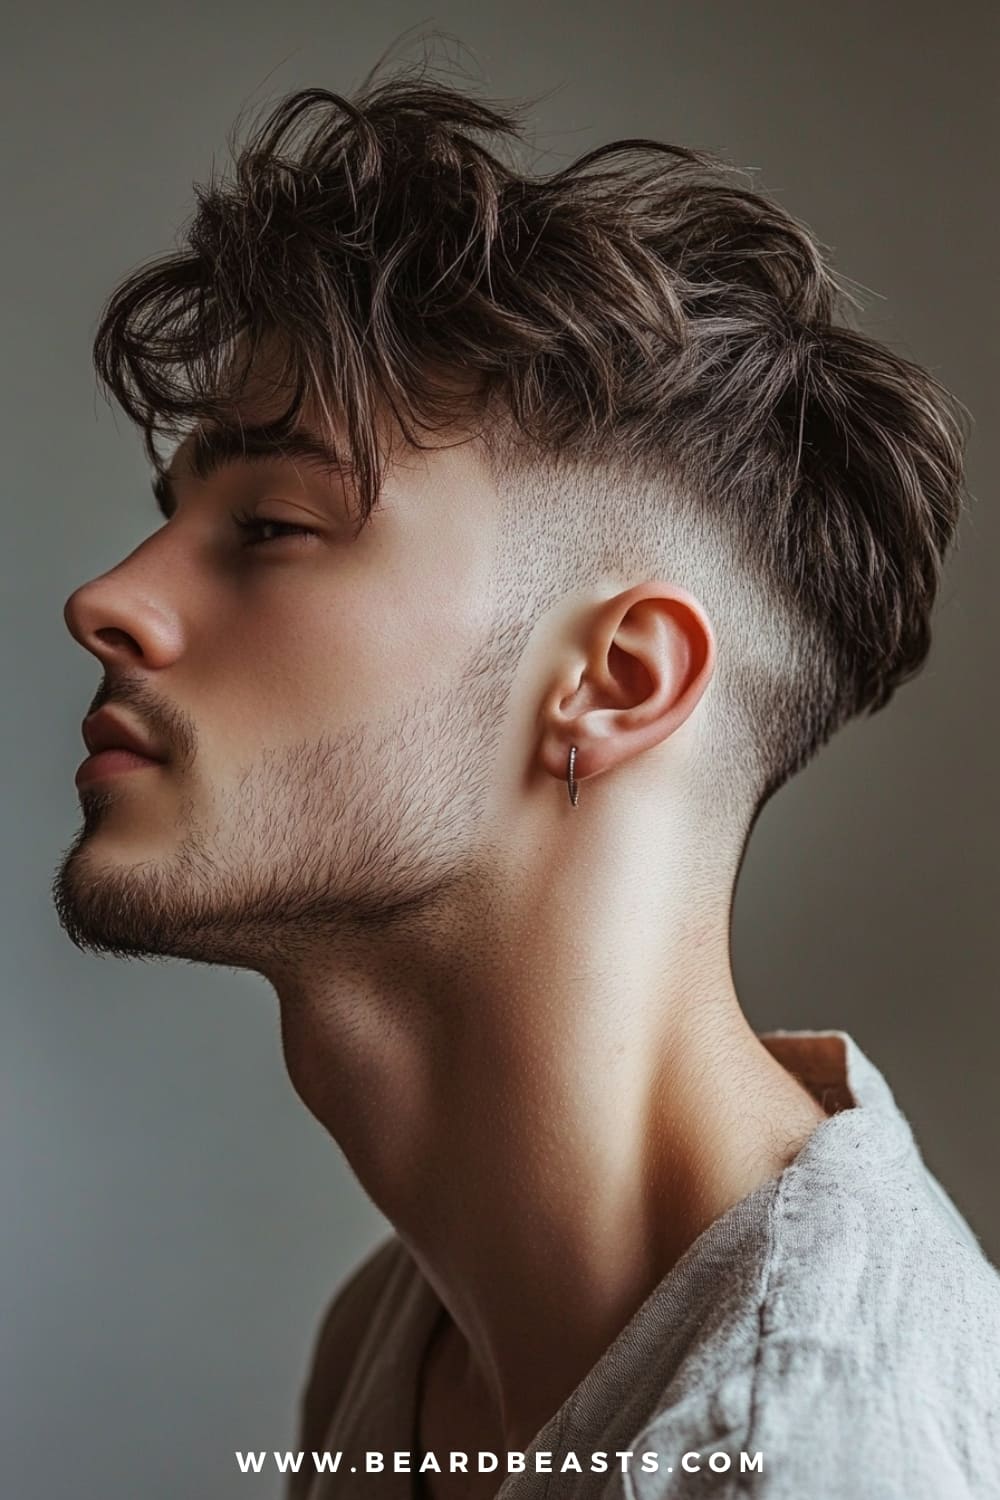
<point x="571" y="781"/>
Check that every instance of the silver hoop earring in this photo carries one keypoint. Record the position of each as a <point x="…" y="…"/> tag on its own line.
<point x="571" y="781"/>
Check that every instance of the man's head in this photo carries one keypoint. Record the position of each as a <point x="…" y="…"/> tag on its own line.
<point x="615" y="401"/>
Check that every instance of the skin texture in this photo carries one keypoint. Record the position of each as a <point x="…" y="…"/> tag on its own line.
<point x="515" y="1017"/>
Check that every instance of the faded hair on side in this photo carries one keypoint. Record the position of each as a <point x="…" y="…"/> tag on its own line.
<point x="659" y="361"/>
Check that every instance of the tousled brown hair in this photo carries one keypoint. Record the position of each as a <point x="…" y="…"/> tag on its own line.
<point x="640" y="314"/>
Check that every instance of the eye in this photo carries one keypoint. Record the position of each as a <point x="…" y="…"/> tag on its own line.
<point x="255" y="529"/>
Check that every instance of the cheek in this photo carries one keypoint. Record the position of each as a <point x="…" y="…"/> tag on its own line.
<point x="313" y="648"/>
<point x="308" y="661"/>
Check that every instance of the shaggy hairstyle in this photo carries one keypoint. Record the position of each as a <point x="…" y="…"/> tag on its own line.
<point x="655" y="358"/>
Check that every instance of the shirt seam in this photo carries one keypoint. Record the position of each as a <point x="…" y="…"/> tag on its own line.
<point x="745" y="1482"/>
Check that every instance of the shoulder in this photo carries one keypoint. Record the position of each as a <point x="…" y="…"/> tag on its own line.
<point x="868" y="1359"/>
<point x="342" y="1329"/>
<point x="861" y="1234"/>
<point x="806" y="1415"/>
<point x="878" y="1360"/>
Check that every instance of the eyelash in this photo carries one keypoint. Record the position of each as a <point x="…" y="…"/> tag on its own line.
<point x="250" y="526"/>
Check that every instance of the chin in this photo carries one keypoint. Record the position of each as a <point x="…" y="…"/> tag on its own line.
<point x="101" y="905"/>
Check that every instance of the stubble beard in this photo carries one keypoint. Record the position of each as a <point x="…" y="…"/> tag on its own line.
<point x="356" y="831"/>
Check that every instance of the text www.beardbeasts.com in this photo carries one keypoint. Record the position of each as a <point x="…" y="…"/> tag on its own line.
<point x="484" y="1462"/>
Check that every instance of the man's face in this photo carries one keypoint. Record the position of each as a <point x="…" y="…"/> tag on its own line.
<point x="324" y="701"/>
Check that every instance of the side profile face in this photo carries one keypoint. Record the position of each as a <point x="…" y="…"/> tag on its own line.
<point x="319" y="699"/>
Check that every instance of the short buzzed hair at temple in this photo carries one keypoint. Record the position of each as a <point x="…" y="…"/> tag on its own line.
<point x="657" y="361"/>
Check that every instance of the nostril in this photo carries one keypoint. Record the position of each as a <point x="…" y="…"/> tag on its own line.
<point x="112" y="636"/>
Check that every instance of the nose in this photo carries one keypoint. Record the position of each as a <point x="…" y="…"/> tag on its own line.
<point x="116" y="617"/>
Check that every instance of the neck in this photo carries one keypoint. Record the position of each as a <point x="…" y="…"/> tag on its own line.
<point x="547" y="1111"/>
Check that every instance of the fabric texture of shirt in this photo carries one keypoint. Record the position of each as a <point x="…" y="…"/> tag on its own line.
<point x="841" y="1322"/>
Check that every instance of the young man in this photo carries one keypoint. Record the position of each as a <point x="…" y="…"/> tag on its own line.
<point x="524" y="535"/>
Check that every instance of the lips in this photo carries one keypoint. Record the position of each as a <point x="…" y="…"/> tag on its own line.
<point x="106" y="730"/>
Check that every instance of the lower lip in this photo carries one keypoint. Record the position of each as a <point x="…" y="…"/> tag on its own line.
<point x="111" y="763"/>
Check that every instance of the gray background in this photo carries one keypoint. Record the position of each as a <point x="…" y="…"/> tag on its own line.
<point x="174" y="1219"/>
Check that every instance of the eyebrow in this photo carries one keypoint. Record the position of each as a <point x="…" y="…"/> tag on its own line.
<point x="216" y="447"/>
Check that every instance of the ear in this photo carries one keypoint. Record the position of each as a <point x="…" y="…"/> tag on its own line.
<point x="641" y="663"/>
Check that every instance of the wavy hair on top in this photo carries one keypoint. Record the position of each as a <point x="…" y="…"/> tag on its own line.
<point x="658" y="360"/>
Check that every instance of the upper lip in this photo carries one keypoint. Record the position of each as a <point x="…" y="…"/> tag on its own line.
<point x="106" y="731"/>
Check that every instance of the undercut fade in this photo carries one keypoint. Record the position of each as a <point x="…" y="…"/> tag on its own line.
<point x="658" y="361"/>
